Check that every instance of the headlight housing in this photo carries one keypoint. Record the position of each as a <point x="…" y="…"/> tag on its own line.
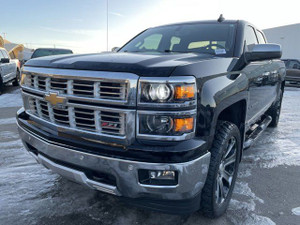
<point x="171" y="92"/>
<point x="169" y="108"/>
<point x="166" y="125"/>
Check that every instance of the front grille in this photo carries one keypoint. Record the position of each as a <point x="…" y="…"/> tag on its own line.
<point x="96" y="105"/>
<point x="99" y="121"/>
<point x="109" y="90"/>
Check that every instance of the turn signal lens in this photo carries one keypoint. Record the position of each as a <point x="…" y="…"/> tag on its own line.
<point x="184" y="124"/>
<point x="185" y="92"/>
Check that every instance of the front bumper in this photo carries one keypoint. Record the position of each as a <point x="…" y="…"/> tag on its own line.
<point x="72" y="164"/>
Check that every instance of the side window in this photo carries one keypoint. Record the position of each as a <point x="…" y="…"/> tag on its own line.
<point x="1" y="55"/>
<point x="5" y="54"/>
<point x="250" y="36"/>
<point x="294" y="65"/>
<point x="151" y="42"/>
<point x="260" y="37"/>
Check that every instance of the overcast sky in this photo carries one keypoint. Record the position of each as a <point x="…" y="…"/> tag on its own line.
<point x="81" y="24"/>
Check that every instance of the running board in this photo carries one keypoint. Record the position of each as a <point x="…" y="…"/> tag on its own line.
<point x="257" y="131"/>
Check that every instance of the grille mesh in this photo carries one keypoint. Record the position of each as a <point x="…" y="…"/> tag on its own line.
<point x="105" y="122"/>
<point x="114" y="90"/>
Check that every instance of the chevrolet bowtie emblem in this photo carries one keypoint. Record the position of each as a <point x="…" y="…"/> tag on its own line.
<point x="54" y="99"/>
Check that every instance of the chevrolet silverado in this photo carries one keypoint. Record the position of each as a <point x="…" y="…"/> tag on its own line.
<point x="163" y="122"/>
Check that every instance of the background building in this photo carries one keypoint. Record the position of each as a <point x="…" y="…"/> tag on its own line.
<point x="288" y="37"/>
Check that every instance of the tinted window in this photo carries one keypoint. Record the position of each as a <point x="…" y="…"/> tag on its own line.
<point x="260" y="37"/>
<point x="199" y="38"/>
<point x="250" y="36"/>
<point x="47" y="52"/>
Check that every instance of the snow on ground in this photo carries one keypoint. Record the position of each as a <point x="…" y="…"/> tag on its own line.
<point x="278" y="147"/>
<point x="12" y="99"/>
<point x="8" y="121"/>
<point x="296" y="211"/>
<point x="31" y="194"/>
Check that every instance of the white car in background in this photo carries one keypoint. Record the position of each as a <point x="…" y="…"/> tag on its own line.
<point x="9" y="70"/>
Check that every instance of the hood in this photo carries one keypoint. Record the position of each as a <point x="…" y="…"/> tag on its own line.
<point x="143" y="64"/>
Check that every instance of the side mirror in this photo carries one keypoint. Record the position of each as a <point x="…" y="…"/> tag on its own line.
<point x="5" y="60"/>
<point x="115" y="49"/>
<point x="262" y="52"/>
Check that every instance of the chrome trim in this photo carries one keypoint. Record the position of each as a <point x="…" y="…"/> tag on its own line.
<point x="130" y="78"/>
<point x="191" y="174"/>
<point x="167" y="80"/>
<point x="106" y="138"/>
<point x="166" y="113"/>
<point x="76" y="176"/>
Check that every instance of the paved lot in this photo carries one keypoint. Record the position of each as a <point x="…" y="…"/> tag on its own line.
<point x="267" y="189"/>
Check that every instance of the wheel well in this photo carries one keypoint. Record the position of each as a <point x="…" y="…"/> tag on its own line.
<point x="235" y="114"/>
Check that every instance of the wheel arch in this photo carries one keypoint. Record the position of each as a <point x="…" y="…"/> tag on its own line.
<point x="235" y="113"/>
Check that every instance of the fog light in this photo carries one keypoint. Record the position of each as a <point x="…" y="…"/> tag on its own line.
<point x="158" y="177"/>
<point x="162" y="175"/>
<point x="159" y="124"/>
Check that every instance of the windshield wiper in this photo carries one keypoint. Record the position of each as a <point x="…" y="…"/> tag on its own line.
<point x="170" y="51"/>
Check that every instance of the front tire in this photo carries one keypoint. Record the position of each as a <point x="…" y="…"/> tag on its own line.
<point x="223" y="168"/>
<point x="16" y="82"/>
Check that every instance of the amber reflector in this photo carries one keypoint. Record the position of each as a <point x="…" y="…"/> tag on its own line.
<point x="185" y="92"/>
<point x="184" y="124"/>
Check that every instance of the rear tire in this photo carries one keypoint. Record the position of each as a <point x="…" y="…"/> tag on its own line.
<point x="223" y="168"/>
<point x="274" y="111"/>
<point x="16" y="82"/>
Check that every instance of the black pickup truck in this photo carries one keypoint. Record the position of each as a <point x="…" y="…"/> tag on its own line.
<point x="162" y="122"/>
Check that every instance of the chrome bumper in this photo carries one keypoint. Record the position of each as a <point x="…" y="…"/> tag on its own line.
<point x="191" y="179"/>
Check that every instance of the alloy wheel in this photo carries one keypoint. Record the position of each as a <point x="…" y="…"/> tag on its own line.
<point x="226" y="171"/>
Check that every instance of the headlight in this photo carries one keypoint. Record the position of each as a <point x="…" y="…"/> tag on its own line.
<point x="167" y="91"/>
<point x="160" y="92"/>
<point x="166" y="124"/>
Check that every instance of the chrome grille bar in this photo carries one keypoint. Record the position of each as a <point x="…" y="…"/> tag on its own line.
<point x="92" y="119"/>
<point x="85" y="95"/>
<point x="104" y="87"/>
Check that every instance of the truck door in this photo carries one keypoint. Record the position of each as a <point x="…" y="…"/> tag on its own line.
<point x="271" y="76"/>
<point x="11" y="66"/>
<point x="257" y="73"/>
<point x="4" y="67"/>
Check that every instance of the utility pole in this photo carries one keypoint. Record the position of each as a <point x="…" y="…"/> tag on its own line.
<point x="106" y="25"/>
<point x="4" y="35"/>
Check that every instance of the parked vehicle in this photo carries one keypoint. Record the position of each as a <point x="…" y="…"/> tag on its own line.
<point x="40" y="52"/>
<point x="163" y="121"/>
<point x="292" y="72"/>
<point x="9" y="70"/>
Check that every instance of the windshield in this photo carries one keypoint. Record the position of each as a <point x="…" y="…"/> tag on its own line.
<point x="47" y="52"/>
<point x="217" y="39"/>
